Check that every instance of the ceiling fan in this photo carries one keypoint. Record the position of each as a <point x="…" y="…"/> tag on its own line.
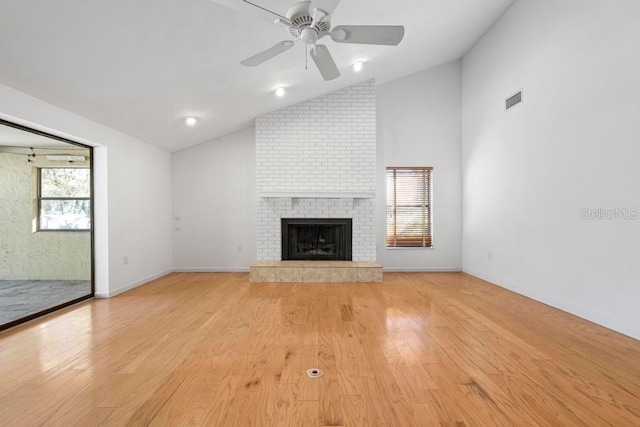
<point x="309" y="21"/>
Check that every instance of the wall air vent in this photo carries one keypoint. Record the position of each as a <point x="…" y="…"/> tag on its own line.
<point x="514" y="100"/>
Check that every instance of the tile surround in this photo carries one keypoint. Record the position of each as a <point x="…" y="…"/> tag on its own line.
<point x="316" y="271"/>
<point x="370" y="274"/>
<point x="341" y="274"/>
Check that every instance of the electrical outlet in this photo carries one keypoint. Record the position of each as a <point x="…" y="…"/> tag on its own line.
<point x="239" y="248"/>
<point x="489" y="254"/>
<point x="125" y="260"/>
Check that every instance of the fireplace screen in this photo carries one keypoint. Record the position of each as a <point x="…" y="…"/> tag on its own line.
<point x="316" y="239"/>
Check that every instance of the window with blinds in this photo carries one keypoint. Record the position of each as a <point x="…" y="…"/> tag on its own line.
<point x="409" y="206"/>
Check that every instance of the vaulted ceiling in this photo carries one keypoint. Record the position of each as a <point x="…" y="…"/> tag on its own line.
<point x="142" y="66"/>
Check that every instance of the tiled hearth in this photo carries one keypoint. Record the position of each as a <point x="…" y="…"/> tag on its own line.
<point x="316" y="271"/>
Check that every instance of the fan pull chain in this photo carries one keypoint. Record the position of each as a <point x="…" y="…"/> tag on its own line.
<point x="306" y="56"/>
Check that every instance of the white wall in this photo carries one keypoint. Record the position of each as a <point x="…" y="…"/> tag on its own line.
<point x="214" y="195"/>
<point x="418" y="121"/>
<point x="137" y="176"/>
<point x="530" y="172"/>
<point x="419" y="125"/>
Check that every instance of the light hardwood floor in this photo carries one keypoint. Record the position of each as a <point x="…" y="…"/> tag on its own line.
<point x="420" y="349"/>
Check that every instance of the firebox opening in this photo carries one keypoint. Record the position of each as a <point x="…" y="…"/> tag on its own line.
<point x="316" y="239"/>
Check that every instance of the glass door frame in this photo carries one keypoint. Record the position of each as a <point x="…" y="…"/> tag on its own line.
<point x="91" y="231"/>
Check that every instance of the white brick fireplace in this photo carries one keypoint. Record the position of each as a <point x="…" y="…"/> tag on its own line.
<point x="317" y="159"/>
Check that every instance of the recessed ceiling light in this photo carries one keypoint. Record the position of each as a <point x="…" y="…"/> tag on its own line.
<point x="190" y="121"/>
<point x="280" y="92"/>
<point x="357" y="66"/>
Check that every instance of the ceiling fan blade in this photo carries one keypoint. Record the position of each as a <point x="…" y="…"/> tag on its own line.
<point x="265" y="55"/>
<point x="368" y="34"/>
<point x="327" y="6"/>
<point x="252" y="9"/>
<point x="325" y="63"/>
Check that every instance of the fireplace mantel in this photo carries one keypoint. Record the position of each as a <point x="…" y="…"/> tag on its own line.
<point x="315" y="195"/>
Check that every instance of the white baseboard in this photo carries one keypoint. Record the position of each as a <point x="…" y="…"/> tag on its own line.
<point x="628" y="330"/>
<point x="211" y="270"/>
<point x="421" y="269"/>
<point x="113" y="293"/>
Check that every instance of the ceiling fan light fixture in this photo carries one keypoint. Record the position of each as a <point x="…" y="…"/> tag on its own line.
<point x="357" y="66"/>
<point x="309" y="21"/>
<point x="280" y="92"/>
<point x="190" y="121"/>
<point x="309" y="36"/>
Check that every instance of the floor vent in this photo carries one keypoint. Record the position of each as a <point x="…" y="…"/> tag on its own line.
<point x="314" y="373"/>
<point x="514" y="100"/>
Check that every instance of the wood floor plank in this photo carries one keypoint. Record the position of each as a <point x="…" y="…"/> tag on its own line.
<point x="330" y="402"/>
<point x="420" y="349"/>
<point x="308" y="390"/>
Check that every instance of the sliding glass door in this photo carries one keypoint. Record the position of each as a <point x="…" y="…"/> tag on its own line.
<point x="46" y="211"/>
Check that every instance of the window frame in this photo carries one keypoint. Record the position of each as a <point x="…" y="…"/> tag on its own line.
<point x="41" y="198"/>
<point x="426" y="187"/>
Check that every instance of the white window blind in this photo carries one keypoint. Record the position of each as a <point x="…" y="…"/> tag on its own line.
<point x="409" y="206"/>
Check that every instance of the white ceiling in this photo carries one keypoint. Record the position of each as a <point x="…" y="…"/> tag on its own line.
<point x="142" y="66"/>
<point x="12" y="137"/>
